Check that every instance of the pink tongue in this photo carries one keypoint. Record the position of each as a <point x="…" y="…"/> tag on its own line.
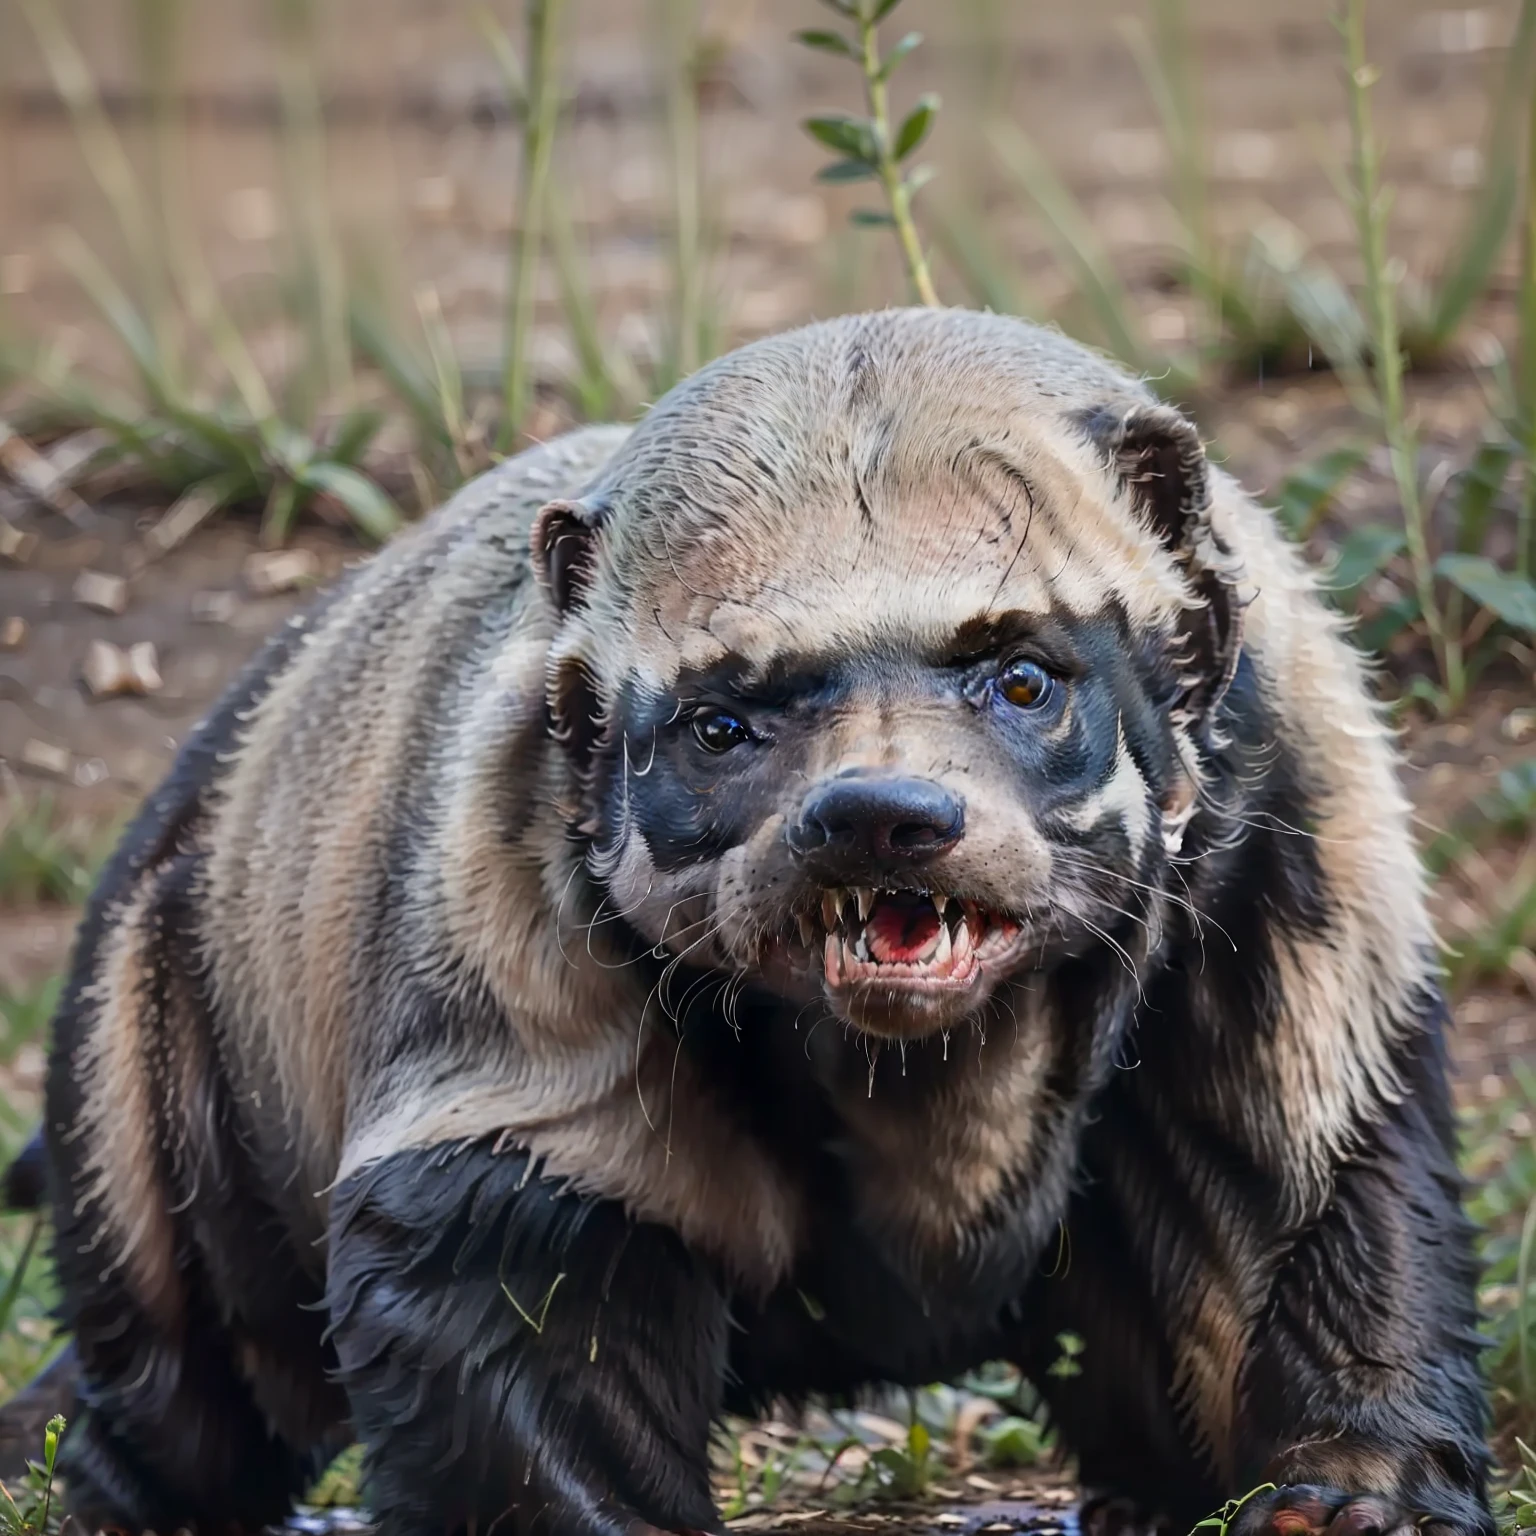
<point x="897" y="934"/>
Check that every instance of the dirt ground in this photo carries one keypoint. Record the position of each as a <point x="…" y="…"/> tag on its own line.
<point x="424" y="168"/>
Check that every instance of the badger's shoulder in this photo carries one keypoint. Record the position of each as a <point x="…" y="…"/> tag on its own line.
<point x="338" y="766"/>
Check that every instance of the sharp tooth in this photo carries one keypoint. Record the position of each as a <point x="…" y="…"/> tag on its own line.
<point x="832" y="958"/>
<point x="807" y="929"/>
<point x="865" y="898"/>
<point x="944" y="953"/>
<point x="831" y="908"/>
<point x="940" y="902"/>
<point x="962" y="946"/>
<point x="861" y="948"/>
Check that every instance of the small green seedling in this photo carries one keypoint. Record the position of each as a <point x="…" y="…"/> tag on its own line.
<point x="869" y="148"/>
<point x="1218" y="1523"/>
<point x="1517" y="1511"/>
<point x="28" y="1516"/>
<point x="1067" y="1362"/>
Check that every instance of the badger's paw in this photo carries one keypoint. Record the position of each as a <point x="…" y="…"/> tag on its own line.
<point x="1115" y="1515"/>
<point x="1309" y="1509"/>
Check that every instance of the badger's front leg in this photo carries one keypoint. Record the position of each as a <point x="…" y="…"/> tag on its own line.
<point x="518" y="1357"/>
<point x="1359" y="1392"/>
<point x="1252" y="1316"/>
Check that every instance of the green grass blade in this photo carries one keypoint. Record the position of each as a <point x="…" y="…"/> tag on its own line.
<point x="1465" y="276"/>
<point x="301" y="138"/>
<point x="19" y="1273"/>
<point x="1506" y="594"/>
<point x="369" y="507"/>
<point x="222" y="445"/>
<point x="508" y="65"/>
<point x="1305" y="494"/>
<point x="597" y="385"/>
<point x="118" y="310"/>
<point x="1321" y="305"/>
<point x="1525" y="1297"/>
<point x="677" y="30"/>
<point x="1481" y="482"/>
<point x="354" y="432"/>
<point x="284" y="499"/>
<point x="1524" y="392"/>
<point x="108" y="163"/>
<point x="990" y="278"/>
<point x="1163" y="58"/>
<point x="381" y="346"/>
<point x="1077" y="246"/>
<point x="447" y="376"/>
<point x="539" y="125"/>
<point x="1363" y="552"/>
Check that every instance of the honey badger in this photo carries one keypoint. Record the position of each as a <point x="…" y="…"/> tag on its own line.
<point x="885" y="863"/>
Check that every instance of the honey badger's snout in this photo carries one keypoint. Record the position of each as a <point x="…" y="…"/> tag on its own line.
<point x="859" y="826"/>
<point x="901" y="952"/>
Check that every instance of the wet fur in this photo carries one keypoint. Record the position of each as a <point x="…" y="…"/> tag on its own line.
<point x="388" y="1097"/>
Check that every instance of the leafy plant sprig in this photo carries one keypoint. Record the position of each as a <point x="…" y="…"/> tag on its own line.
<point x="1519" y="1503"/>
<point x="29" y="1515"/>
<point x="1370" y="201"/>
<point x="870" y="148"/>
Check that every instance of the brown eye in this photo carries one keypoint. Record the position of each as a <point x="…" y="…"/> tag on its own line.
<point x="716" y="730"/>
<point x="1025" y="684"/>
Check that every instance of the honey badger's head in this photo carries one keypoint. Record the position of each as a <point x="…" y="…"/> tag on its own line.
<point x="884" y="659"/>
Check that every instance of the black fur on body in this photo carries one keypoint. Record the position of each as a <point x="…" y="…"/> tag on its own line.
<point x="415" y="1080"/>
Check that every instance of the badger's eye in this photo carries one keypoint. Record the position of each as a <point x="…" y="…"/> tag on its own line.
<point x="1025" y="684"/>
<point x="717" y="730"/>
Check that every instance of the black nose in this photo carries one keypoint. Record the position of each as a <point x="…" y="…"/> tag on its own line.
<point x="867" y="823"/>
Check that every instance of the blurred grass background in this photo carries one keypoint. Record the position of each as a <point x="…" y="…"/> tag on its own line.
<point x="276" y="275"/>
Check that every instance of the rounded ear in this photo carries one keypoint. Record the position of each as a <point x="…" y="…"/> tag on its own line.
<point x="1156" y="456"/>
<point x="1159" y="462"/>
<point x="563" y="544"/>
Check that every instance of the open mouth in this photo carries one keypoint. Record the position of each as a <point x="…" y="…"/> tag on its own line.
<point x="907" y="940"/>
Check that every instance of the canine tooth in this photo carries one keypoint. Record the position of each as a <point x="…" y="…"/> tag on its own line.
<point x="831" y="907"/>
<point x="861" y="948"/>
<point x="807" y="929"/>
<point x="943" y="955"/>
<point x="962" y="946"/>
<point x="866" y="900"/>
<point x="940" y="902"/>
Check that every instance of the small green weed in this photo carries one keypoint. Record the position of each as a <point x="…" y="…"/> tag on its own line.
<point x="870" y="148"/>
<point x="27" y="1336"/>
<point x="1011" y="1441"/>
<point x="1470" y="608"/>
<point x="34" y="1514"/>
<point x="1021" y="1436"/>
<point x="893" y="1471"/>
<point x="760" y="1485"/>
<point x="209" y="445"/>
<point x="1505" y="940"/>
<point x="340" y="1486"/>
<point x="1499" y="1158"/>
<point x="1515" y="1510"/>
<point x="1306" y="494"/>
<point x="25" y="1015"/>
<point x="1068" y="1362"/>
<point x="541" y="107"/>
<point x="1219" y="1523"/>
<point x="1273" y="304"/>
<point x="45" y="857"/>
